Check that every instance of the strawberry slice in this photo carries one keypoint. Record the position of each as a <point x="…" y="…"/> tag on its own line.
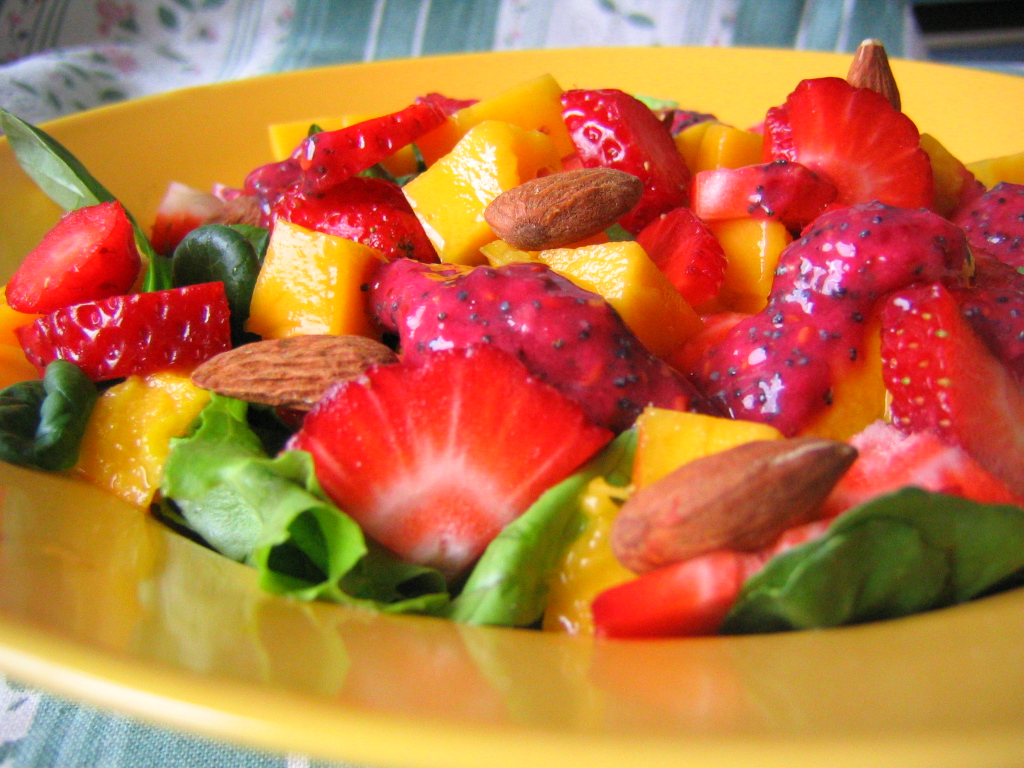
<point x="685" y="250"/>
<point x="612" y="129"/>
<point x="942" y="378"/>
<point x="373" y="212"/>
<point x="855" y="139"/>
<point x="330" y="157"/>
<point x="433" y="459"/>
<point x="994" y="306"/>
<point x="780" y="190"/>
<point x="448" y="105"/>
<point x="181" y="210"/>
<point x="994" y="223"/>
<point x="90" y="254"/>
<point x="138" y="334"/>
<point x="888" y="459"/>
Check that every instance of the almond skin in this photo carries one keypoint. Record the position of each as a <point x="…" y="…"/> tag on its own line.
<point x="740" y="499"/>
<point x="562" y="208"/>
<point x="870" y="69"/>
<point x="240" y="210"/>
<point x="293" y="372"/>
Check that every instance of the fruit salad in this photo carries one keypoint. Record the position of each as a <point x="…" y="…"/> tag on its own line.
<point x="576" y="360"/>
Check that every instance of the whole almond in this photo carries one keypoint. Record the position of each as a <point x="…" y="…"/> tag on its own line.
<point x="239" y="210"/>
<point x="870" y="69"/>
<point x="740" y="499"/>
<point x="562" y="208"/>
<point x="293" y="372"/>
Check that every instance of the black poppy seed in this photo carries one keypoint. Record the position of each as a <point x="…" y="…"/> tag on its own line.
<point x="1014" y="312"/>
<point x="583" y="335"/>
<point x="777" y="319"/>
<point x="714" y="376"/>
<point x="732" y="370"/>
<point x="581" y="301"/>
<point x="488" y="272"/>
<point x="828" y="397"/>
<point x="1002" y="299"/>
<point x="762" y="398"/>
<point x="825" y="335"/>
<point x="804" y="240"/>
<point x="364" y="287"/>
<point x="473" y="317"/>
<point x="768" y="211"/>
<point x="853" y="353"/>
<point x="632" y="378"/>
<point x="975" y="311"/>
<point x="536" y="304"/>
<point x="803" y="361"/>
<point x="844" y="226"/>
<point x="625" y="404"/>
<point x="737" y="393"/>
<point x="558" y="343"/>
<point x="788" y="362"/>
<point x="486" y="339"/>
<point x="865" y="233"/>
<point x="394" y="306"/>
<point x="485" y="322"/>
<point x="462" y="295"/>
<point x="857" y="317"/>
<point x="619" y="382"/>
<point x="876" y="219"/>
<point x="622" y="353"/>
<point x="421" y="347"/>
<point x="442" y="315"/>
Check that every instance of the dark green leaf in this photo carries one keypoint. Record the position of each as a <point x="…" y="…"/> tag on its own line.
<point x="314" y="129"/>
<point x="42" y="421"/>
<point x="509" y="584"/>
<point x="617" y="234"/>
<point x="216" y="252"/>
<point x="904" y="553"/>
<point x="258" y="237"/>
<point x="377" y="171"/>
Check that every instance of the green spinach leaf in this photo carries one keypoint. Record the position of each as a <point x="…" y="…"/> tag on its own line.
<point x="509" y="584"/>
<point x="42" y="421"/>
<point x="903" y="553"/>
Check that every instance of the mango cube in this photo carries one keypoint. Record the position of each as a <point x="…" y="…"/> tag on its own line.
<point x="499" y="253"/>
<point x="449" y="198"/>
<point x="589" y="566"/>
<point x="752" y="248"/>
<point x="996" y="169"/>
<point x="310" y="283"/>
<point x="127" y="441"/>
<point x="624" y="275"/>
<point x="722" y="146"/>
<point x="688" y="142"/>
<point x="668" y="439"/>
<point x="534" y="106"/>
<point x="948" y="172"/>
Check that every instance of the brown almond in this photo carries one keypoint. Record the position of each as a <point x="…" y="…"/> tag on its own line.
<point x="239" y="210"/>
<point x="293" y="372"/>
<point x="562" y="208"/>
<point x="870" y="69"/>
<point x="740" y="499"/>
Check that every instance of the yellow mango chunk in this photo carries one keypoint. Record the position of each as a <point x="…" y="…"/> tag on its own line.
<point x="688" y="142"/>
<point x="499" y="253"/>
<point x="449" y="197"/>
<point x="14" y="366"/>
<point x="11" y="319"/>
<point x="311" y="283"/>
<point x="534" y="106"/>
<point x="948" y="172"/>
<point x="127" y="441"/>
<point x="858" y="392"/>
<point x="996" y="169"/>
<point x="668" y="439"/>
<point x="752" y="248"/>
<point x="722" y="146"/>
<point x="624" y="275"/>
<point x="285" y="137"/>
<point x="589" y="567"/>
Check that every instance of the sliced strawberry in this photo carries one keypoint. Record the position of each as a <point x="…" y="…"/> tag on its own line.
<point x="446" y="104"/>
<point x="138" y="334"/>
<point x="889" y="459"/>
<point x="373" y="212"/>
<point x="943" y="378"/>
<point x="780" y="190"/>
<point x="994" y="222"/>
<point x="994" y="306"/>
<point x="330" y="157"/>
<point x="612" y="129"/>
<point x="433" y="459"/>
<point x="181" y="210"/>
<point x="683" y="248"/>
<point x="855" y="139"/>
<point x="90" y="254"/>
<point x="687" y="357"/>
<point x="268" y="183"/>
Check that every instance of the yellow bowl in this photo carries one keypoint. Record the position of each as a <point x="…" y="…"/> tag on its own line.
<point x="100" y="603"/>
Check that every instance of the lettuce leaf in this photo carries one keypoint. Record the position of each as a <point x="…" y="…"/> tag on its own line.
<point x="272" y="514"/>
<point x="509" y="584"/>
<point x="903" y="553"/>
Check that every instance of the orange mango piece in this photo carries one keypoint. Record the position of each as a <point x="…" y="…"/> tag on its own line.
<point x="948" y="172"/>
<point x="311" y="283"/>
<point x="752" y="248"/>
<point x="14" y="366"/>
<point x="499" y="253"/>
<point x="722" y="146"/>
<point x="996" y="169"/>
<point x="127" y="441"/>
<point x="624" y="275"/>
<point x="588" y="567"/>
<point x="11" y="319"/>
<point x="858" y="392"/>
<point x="667" y="439"/>
<point x="449" y="198"/>
<point x="688" y="143"/>
<point x="534" y="106"/>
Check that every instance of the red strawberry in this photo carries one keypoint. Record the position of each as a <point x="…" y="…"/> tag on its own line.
<point x="331" y="157"/>
<point x="994" y="306"/>
<point x="943" y="378"/>
<point x="268" y="183"/>
<point x="687" y="357"/>
<point x="181" y="210"/>
<point x="682" y="246"/>
<point x="90" y="254"/>
<point x="373" y="212"/>
<point x="994" y="223"/>
<point x="433" y="459"/>
<point x="446" y="104"/>
<point x="889" y="459"/>
<point x="855" y="139"/>
<point x="780" y="190"/>
<point x="138" y="334"/>
<point x="612" y="129"/>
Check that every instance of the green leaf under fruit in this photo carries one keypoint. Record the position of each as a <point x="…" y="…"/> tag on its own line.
<point x="904" y="553"/>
